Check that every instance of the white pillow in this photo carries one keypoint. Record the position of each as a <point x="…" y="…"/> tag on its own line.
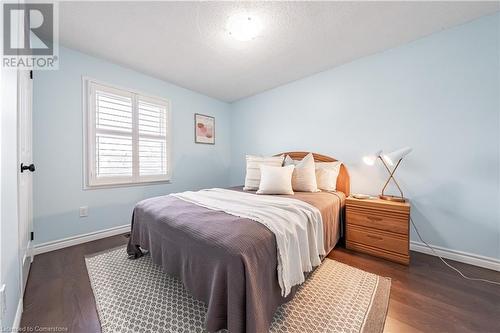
<point x="304" y="175"/>
<point x="276" y="180"/>
<point x="252" y="178"/>
<point x="326" y="175"/>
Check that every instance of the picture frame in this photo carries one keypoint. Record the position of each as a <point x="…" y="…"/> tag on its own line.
<point x="204" y="129"/>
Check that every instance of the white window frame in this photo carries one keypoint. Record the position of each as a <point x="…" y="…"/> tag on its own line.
<point x="90" y="181"/>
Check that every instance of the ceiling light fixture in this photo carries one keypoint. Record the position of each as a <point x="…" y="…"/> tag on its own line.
<point x="244" y="27"/>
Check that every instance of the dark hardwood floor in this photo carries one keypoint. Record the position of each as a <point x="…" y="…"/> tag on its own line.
<point x="425" y="297"/>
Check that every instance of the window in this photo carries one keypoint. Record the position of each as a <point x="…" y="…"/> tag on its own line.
<point x="127" y="136"/>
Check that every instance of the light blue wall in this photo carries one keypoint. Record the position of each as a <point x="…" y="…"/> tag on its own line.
<point x="57" y="119"/>
<point x="439" y="95"/>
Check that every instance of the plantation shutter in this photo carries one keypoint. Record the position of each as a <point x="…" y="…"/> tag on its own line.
<point x="113" y="129"/>
<point x="152" y="137"/>
<point x="127" y="137"/>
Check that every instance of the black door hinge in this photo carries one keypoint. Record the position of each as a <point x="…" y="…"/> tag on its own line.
<point x="31" y="75"/>
<point x="32" y="235"/>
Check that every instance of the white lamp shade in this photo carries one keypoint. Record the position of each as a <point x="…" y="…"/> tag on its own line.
<point x="370" y="159"/>
<point x="393" y="157"/>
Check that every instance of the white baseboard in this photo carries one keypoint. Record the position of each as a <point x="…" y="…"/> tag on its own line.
<point x="75" y="240"/>
<point x="17" y="319"/>
<point x="467" y="258"/>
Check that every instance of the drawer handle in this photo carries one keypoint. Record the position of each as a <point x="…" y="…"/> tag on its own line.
<point x="375" y="237"/>
<point x="374" y="218"/>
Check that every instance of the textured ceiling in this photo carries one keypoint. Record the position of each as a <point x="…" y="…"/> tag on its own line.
<point x="186" y="43"/>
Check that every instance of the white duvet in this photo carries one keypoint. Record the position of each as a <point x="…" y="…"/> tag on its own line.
<point x="297" y="225"/>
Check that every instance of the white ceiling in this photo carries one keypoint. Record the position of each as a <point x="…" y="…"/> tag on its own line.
<point x="186" y="43"/>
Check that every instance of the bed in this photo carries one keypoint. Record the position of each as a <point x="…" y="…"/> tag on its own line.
<point x="226" y="261"/>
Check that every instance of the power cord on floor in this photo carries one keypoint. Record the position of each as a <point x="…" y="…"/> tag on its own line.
<point x="446" y="263"/>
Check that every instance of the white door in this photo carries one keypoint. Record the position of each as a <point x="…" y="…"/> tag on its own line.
<point x="26" y="169"/>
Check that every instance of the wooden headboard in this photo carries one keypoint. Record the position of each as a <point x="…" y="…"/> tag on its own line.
<point x="343" y="180"/>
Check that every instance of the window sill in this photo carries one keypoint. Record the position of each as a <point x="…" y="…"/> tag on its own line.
<point x="106" y="186"/>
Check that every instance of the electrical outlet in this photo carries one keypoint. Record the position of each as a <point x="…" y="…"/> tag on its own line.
<point x="84" y="211"/>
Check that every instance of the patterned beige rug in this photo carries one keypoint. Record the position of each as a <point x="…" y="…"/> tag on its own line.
<point x="335" y="298"/>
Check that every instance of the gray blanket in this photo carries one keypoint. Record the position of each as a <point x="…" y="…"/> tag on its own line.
<point x="226" y="261"/>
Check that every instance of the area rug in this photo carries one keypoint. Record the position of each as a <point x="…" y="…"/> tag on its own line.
<point x="136" y="296"/>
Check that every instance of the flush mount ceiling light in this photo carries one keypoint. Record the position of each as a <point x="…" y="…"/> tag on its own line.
<point x="244" y="27"/>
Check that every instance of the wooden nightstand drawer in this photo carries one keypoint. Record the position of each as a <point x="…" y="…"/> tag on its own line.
<point x="378" y="239"/>
<point x="378" y="227"/>
<point x="395" y="222"/>
<point x="393" y="256"/>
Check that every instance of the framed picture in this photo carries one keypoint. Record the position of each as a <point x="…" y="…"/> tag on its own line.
<point x="204" y="129"/>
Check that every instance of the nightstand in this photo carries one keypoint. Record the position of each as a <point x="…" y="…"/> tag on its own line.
<point x="379" y="227"/>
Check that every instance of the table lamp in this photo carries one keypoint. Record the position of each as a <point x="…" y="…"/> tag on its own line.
<point x="392" y="159"/>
